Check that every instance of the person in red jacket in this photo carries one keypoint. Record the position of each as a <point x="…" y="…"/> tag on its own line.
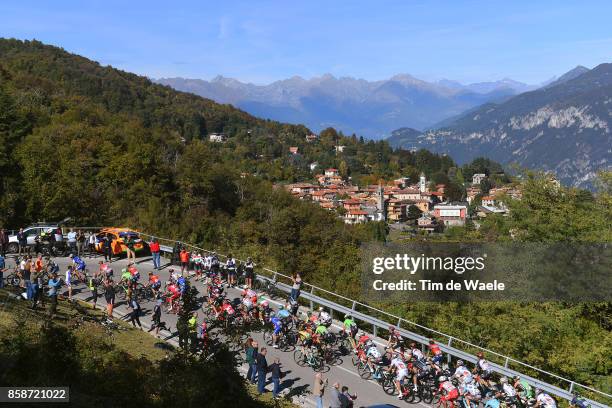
<point x="155" y="253"/>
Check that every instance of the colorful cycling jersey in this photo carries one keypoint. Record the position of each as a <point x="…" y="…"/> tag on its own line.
<point x="509" y="390"/>
<point x="324" y="317"/>
<point x="416" y="353"/>
<point x="447" y="386"/>
<point x="250" y="293"/>
<point x="227" y="308"/>
<point x="278" y="324"/>
<point x="472" y="389"/>
<point x="546" y="401"/>
<point x="283" y="314"/>
<point x="484" y="365"/>
<point x="174" y="290"/>
<point x="304" y="334"/>
<point x="492" y="403"/>
<point x="463" y="373"/>
<point x="154" y="280"/>
<point x="398" y="364"/>
<point x="373" y="352"/>
<point x="527" y="389"/>
<point x="181" y="282"/>
<point x="321" y="330"/>
<point x="79" y="263"/>
<point x="349" y="324"/>
<point x="435" y="349"/>
<point x="363" y="339"/>
<point x="125" y="275"/>
<point x="247" y="302"/>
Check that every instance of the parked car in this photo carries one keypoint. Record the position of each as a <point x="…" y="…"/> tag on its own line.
<point x="35" y="230"/>
<point x="118" y="238"/>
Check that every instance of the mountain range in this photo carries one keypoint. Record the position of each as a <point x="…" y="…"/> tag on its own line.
<point x="368" y="108"/>
<point x="564" y="127"/>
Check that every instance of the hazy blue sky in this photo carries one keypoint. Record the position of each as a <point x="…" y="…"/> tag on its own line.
<point x="261" y="41"/>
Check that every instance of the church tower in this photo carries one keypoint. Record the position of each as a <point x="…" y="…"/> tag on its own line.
<point x="380" y="204"/>
<point x="422" y="183"/>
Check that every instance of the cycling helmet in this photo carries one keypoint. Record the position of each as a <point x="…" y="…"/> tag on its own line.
<point x="538" y="391"/>
<point x="71" y="255"/>
<point x="281" y="307"/>
<point x="531" y="402"/>
<point x="348" y="316"/>
<point x="503" y="380"/>
<point x="320" y="308"/>
<point x="460" y="363"/>
<point x="265" y="303"/>
<point x="150" y="273"/>
<point x="442" y="378"/>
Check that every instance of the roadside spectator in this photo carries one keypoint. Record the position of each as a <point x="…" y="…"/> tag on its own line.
<point x="184" y="257"/>
<point x="107" y="247"/>
<point x="22" y="240"/>
<point x="319" y="389"/>
<point x="157" y="324"/>
<point x="135" y="313"/>
<point x="155" y="253"/>
<point x="3" y="268"/>
<point x="80" y="243"/>
<point x="92" y="244"/>
<point x="250" y="348"/>
<point x="129" y="247"/>
<point x="297" y="285"/>
<point x="92" y="284"/>
<point x="54" y="284"/>
<point x="262" y="370"/>
<point x="335" y="396"/>
<point x="69" y="281"/>
<point x="276" y="374"/>
<point x="109" y="296"/>
<point x="346" y="398"/>
<point x="27" y="273"/>
<point x="72" y="241"/>
<point x="3" y="241"/>
<point x="34" y="288"/>
<point x="249" y="273"/>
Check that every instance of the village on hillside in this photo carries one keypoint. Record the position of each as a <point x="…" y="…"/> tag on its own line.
<point x="422" y="204"/>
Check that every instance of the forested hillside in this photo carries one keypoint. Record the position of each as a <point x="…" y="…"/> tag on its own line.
<point x="108" y="147"/>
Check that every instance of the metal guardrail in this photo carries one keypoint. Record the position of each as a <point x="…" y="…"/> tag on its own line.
<point x="356" y="309"/>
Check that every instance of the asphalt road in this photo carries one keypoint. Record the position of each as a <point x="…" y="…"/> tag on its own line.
<point x="298" y="380"/>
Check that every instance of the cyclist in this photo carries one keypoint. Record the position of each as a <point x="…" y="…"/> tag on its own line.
<point x="416" y="353"/>
<point x="483" y="369"/>
<point x="471" y="392"/>
<point x="78" y="267"/>
<point x="579" y="402"/>
<point x="154" y="283"/>
<point x="524" y="389"/>
<point x="436" y="352"/>
<point x="305" y="338"/>
<point x="372" y="355"/>
<point x="277" y="323"/>
<point x="395" y="338"/>
<point x="283" y="313"/>
<point x="349" y="327"/>
<point x="400" y="370"/>
<point x="181" y="282"/>
<point x="324" y="318"/>
<point x="126" y="277"/>
<point x="544" y="400"/>
<point x="227" y="310"/>
<point x="509" y="390"/>
<point x="264" y="310"/>
<point x="449" y="391"/>
<point x="462" y="373"/>
<point x="293" y="306"/>
<point x="172" y="294"/>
